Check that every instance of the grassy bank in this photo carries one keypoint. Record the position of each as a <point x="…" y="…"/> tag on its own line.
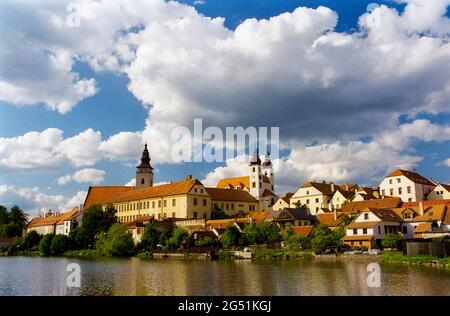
<point x="273" y="254"/>
<point x="398" y="257"/>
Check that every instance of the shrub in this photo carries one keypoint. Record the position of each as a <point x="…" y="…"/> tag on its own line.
<point x="179" y="236"/>
<point x="116" y="242"/>
<point x="323" y="238"/>
<point x="262" y="233"/>
<point x="60" y="244"/>
<point x="31" y="239"/>
<point x="205" y="242"/>
<point x="45" y="244"/>
<point x="151" y="238"/>
<point x="391" y="240"/>
<point x="297" y="242"/>
<point x="231" y="236"/>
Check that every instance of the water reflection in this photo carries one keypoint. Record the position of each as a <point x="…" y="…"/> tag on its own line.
<point x="136" y="276"/>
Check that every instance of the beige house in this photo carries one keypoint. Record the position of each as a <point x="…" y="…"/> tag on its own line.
<point x="340" y="198"/>
<point x="232" y="202"/>
<point x="314" y="196"/>
<point x="440" y="192"/>
<point x="283" y="202"/>
<point x="407" y="185"/>
<point x="57" y="223"/>
<point x="364" y="194"/>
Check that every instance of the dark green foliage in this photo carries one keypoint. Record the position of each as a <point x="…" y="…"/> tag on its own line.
<point x="45" y="244"/>
<point x="296" y="242"/>
<point x="231" y="236"/>
<point x="391" y="240"/>
<point x="60" y="244"/>
<point x="31" y="239"/>
<point x="4" y="218"/>
<point x="324" y="238"/>
<point x="13" y="222"/>
<point x="116" y="242"/>
<point x="151" y="238"/>
<point x="262" y="233"/>
<point x="179" y="236"/>
<point x="206" y="242"/>
<point x="95" y="222"/>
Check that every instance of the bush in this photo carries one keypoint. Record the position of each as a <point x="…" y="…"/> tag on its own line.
<point x="151" y="238"/>
<point x="391" y="240"/>
<point x="60" y="244"/>
<point x="297" y="242"/>
<point x="116" y="242"/>
<point x="231" y="236"/>
<point x="262" y="233"/>
<point x="323" y="238"/>
<point x="179" y="236"/>
<point x="45" y="244"/>
<point x="205" y="242"/>
<point x="31" y="239"/>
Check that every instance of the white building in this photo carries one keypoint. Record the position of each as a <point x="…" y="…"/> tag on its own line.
<point x="315" y="196"/>
<point x="407" y="185"/>
<point x="440" y="192"/>
<point x="370" y="226"/>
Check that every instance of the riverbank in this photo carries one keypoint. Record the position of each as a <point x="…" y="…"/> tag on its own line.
<point x="429" y="261"/>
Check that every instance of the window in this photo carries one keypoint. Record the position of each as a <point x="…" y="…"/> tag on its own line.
<point x="165" y="203"/>
<point x="227" y="207"/>
<point x="408" y="189"/>
<point x="159" y="203"/>
<point x="195" y="202"/>
<point x="399" y="190"/>
<point x="153" y="204"/>
<point x="204" y="202"/>
<point x="399" y="180"/>
<point x="307" y="201"/>
<point x="201" y="191"/>
<point x="254" y="169"/>
<point x="307" y="192"/>
<point x="390" y="181"/>
<point x="195" y="190"/>
<point x="174" y="202"/>
<point x="364" y="231"/>
<point x="383" y="192"/>
<point x="205" y="216"/>
<point x="195" y="214"/>
<point x="355" y="232"/>
<point x="317" y="200"/>
<point x="366" y="216"/>
<point x="391" y="191"/>
<point x="142" y="181"/>
<point x="409" y="199"/>
<point x="173" y="215"/>
<point x="232" y="206"/>
<point x="407" y="216"/>
<point x="148" y="204"/>
<point x="165" y="215"/>
<point x="253" y="184"/>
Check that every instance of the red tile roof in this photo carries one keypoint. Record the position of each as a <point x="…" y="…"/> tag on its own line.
<point x="413" y="176"/>
<point x="104" y="194"/>
<point x="303" y="230"/>
<point x="230" y="195"/>
<point x="378" y="203"/>
<point x="233" y="183"/>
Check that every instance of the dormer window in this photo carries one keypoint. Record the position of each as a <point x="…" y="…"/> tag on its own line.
<point x="366" y="216"/>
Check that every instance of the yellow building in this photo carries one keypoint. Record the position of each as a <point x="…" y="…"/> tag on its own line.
<point x="232" y="202"/>
<point x="440" y="192"/>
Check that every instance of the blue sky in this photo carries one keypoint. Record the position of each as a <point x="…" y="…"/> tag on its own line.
<point x="118" y="107"/>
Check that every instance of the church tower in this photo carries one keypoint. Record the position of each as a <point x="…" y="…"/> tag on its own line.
<point x="255" y="175"/>
<point x="144" y="172"/>
<point x="267" y="170"/>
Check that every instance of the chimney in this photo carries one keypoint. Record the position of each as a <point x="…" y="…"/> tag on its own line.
<point x="346" y="187"/>
<point x="421" y="207"/>
<point x="189" y="177"/>
<point x="332" y="187"/>
<point x="335" y="214"/>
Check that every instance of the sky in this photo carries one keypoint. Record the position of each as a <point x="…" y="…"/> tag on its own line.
<point x="357" y="89"/>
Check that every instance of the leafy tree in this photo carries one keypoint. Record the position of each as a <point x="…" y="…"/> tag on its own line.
<point x="116" y="242"/>
<point x="31" y="239"/>
<point x="391" y="240"/>
<point x="45" y="244"/>
<point x="252" y="233"/>
<point x="18" y="217"/>
<point x="4" y="217"/>
<point x="95" y="221"/>
<point x="323" y="238"/>
<point x="151" y="238"/>
<point x="205" y="242"/>
<point x="217" y="213"/>
<point x="296" y="242"/>
<point x="262" y="233"/>
<point x="231" y="236"/>
<point x="60" y="244"/>
<point x="179" y="236"/>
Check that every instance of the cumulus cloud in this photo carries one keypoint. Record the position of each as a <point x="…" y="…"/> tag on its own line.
<point x="33" y="200"/>
<point x="49" y="149"/>
<point x="88" y="175"/>
<point x="446" y="162"/>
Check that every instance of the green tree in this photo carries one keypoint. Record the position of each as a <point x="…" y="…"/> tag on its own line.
<point x="17" y="216"/>
<point x="95" y="221"/>
<point x="323" y="238"/>
<point x="31" y="239"/>
<point x="231" y="236"/>
<point x="45" y="244"/>
<point x="4" y="216"/>
<point x="60" y="244"/>
<point x="116" y="242"/>
<point x="205" y="242"/>
<point x="151" y="238"/>
<point x="391" y="240"/>
<point x="179" y="236"/>
<point x="252" y="234"/>
<point x="264" y="232"/>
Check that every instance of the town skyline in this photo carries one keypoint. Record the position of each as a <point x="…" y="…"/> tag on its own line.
<point x="75" y="114"/>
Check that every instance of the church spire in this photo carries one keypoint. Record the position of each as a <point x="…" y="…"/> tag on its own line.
<point x="145" y="159"/>
<point x="255" y="160"/>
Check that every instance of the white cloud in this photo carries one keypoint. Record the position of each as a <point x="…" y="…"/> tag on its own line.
<point x="33" y="200"/>
<point x="131" y="183"/>
<point x="49" y="149"/>
<point x="88" y="175"/>
<point x="446" y="162"/>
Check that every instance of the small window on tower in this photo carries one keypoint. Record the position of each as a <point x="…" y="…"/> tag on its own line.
<point x="142" y="181"/>
<point x="254" y="169"/>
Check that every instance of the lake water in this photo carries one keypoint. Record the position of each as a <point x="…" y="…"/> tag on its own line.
<point x="141" y="276"/>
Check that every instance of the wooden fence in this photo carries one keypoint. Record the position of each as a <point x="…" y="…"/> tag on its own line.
<point x="426" y="247"/>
